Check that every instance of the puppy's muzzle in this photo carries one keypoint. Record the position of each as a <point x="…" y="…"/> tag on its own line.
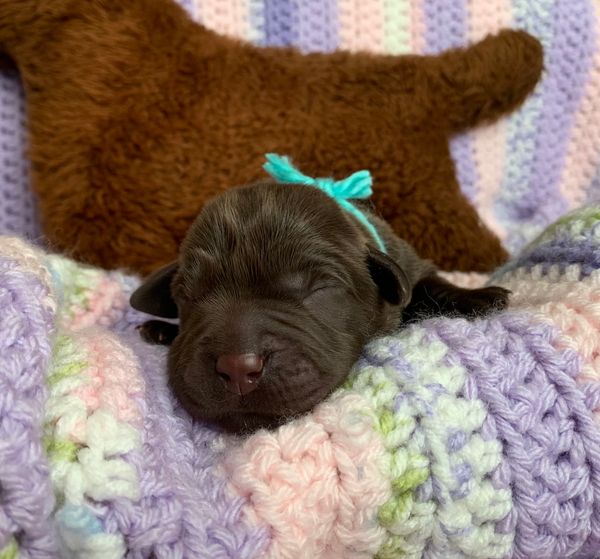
<point x="241" y="373"/>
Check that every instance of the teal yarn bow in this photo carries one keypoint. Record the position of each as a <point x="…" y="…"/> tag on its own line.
<point x="357" y="186"/>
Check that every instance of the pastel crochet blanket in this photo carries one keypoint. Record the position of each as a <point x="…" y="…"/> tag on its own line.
<point x="452" y="438"/>
<point x="521" y="174"/>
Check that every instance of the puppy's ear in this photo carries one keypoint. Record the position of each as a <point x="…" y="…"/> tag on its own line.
<point x="390" y="279"/>
<point x="154" y="295"/>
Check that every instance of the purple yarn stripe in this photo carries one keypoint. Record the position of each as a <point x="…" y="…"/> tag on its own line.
<point x="446" y="27"/>
<point x="568" y="62"/>
<point x="541" y="416"/>
<point x="310" y="25"/>
<point x="446" y="24"/>
<point x="185" y="509"/>
<point x="586" y="269"/>
<point x="512" y="205"/>
<point x="561" y="251"/>
<point x="280" y="23"/>
<point x="26" y="495"/>
<point x="18" y="210"/>
<point x="461" y="148"/>
<point x="317" y="25"/>
<point x="586" y="253"/>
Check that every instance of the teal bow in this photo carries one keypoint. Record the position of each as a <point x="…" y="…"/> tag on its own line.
<point x="357" y="186"/>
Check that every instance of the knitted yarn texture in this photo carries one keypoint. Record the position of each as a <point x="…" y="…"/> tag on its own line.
<point x="451" y="438"/>
<point x="521" y="173"/>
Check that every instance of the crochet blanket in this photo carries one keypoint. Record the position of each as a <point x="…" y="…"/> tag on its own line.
<point x="452" y="438"/>
<point x="521" y="174"/>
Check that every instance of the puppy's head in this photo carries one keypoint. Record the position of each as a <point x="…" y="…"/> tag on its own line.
<point x="277" y="289"/>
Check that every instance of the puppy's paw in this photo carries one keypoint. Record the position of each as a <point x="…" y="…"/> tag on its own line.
<point x="479" y="302"/>
<point x="434" y="296"/>
<point x="158" y="332"/>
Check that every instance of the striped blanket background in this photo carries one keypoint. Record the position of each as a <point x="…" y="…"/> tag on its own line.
<point x="521" y="173"/>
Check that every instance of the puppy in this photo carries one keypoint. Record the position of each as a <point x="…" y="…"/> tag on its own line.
<point x="277" y="289"/>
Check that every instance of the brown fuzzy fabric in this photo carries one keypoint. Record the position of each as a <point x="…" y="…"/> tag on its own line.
<point x="138" y="115"/>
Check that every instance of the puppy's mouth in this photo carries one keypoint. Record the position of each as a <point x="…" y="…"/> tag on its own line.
<point x="282" y="394"/>
<point x="236" y="415"/>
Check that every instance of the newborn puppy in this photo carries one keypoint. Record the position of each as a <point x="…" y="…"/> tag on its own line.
<point x="277" y="289"/>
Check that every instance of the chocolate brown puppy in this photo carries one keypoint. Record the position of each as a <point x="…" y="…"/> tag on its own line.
<point x="277" y="289"/>
<point x="135" y="113"/>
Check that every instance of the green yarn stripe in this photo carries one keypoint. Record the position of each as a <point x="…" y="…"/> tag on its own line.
<point x="406" y="467"/>
<point x="397" y="26"/>
<point x="417" y="405"/>
<point x="11" y="551"/>
<point x="77" y="282"/>
<point x="67" y="363"/>
<point x="574" y="223"/>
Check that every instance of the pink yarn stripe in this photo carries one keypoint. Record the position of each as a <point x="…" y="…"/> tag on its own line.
<point x="471" y="280"/>
<point x="583" y="151"/>
<point x="317" y="482"/>
<point x="113" y="379"/>
<point x="104" y="301"/>
<point x="417" y="26"/>
<point x="228" y="18"/>
<point x="489" y="143"/>
<point x="361" y="25"/>
<point x="578" y="318"/>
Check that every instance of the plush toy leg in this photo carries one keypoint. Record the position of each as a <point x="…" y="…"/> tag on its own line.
<point x="450" y="234"/>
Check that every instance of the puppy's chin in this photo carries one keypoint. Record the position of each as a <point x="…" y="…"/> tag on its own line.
<point x="247" y="414"/>
<point x="234" y="419"/>
<point x="241" y="423"/>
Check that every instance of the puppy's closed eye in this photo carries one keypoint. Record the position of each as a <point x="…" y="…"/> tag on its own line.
<point x="329" y="302"/>
<point x="324" y="286"/>
<point x="325" y="297"/>
<point x="325" y="283"/>
<point x="302" y="286"/>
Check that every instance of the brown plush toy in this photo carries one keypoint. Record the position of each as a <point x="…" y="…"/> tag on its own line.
<point x="138" y="116"/>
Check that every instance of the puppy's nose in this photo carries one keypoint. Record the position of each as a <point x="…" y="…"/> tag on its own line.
<point x="241" y="373"/>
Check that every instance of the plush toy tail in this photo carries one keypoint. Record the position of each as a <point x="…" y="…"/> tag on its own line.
<point x="482" y="82"/>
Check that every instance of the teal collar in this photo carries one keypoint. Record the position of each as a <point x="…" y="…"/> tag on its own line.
<point x="357" y="186"/>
